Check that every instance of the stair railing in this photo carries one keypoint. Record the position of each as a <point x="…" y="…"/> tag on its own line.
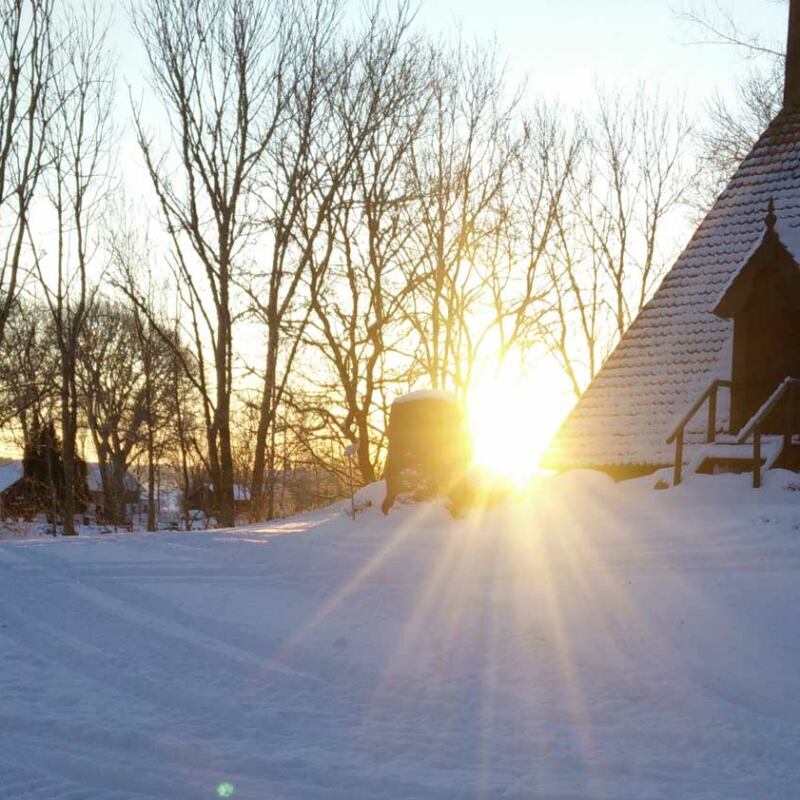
<point x="679" y="431"/>
<point x="787" y="388"/>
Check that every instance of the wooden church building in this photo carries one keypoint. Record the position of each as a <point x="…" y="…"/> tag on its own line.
<point x="707" y="378"/>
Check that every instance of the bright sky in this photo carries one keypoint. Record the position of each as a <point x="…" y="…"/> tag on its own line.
<point x="566" y="45"/>
<point x="562" y="48"/>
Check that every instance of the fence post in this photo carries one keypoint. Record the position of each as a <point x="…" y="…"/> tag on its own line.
<point x="711" y="430"/>
<point x="676" y="476"/>
<point x="352" y="494"/>
<point x="757" y="457"/>
<point x="350" y="453"/>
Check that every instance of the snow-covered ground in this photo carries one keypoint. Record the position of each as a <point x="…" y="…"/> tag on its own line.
<point x="599" y="641"/>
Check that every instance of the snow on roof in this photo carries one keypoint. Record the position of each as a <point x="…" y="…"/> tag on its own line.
<point x="10" y="474"/>
<point x="789" y="234"/>
<point x="676" y="346"/>
<point x="427" y="394"/>
<point x="13" y="471"/>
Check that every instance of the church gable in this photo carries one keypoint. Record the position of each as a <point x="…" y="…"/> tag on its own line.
<point x="769" y="279"/>
<point x="763" y="301"/>
<point x="677" y="345"/>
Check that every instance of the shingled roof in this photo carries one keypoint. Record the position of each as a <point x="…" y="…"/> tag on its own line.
<point x="676" y="346"/>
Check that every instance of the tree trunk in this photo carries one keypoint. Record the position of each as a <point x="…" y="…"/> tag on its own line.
<point x="105" y="478"/>
<point x="118" y="473"/>
<point x="151" y="480"/>
<point x="265" y="418"/>
<point x="223" y="488"/>
<point x="224" y="492"/>
<point x="68" y="446"/>
<point x="151" y="466"/>
<point x="365" y="465"/>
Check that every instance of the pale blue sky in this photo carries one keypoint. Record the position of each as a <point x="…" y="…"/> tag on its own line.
<point x="561" y="47"/>
<point x="564" y="46"/>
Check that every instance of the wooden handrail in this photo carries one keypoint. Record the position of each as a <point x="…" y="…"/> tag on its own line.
<point x="766" y="408"/>
<point x="676" y="436"/>
<point x="718" y="383"/>
<point x="756" y="422"/>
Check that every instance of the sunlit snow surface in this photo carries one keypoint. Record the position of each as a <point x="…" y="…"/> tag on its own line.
<point x="599" y="642"/>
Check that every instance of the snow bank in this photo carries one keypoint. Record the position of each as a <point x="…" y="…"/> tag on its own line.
<point x="596" y="641"/>
<point x="370" y="496"/>
<point x="580" y="481"/>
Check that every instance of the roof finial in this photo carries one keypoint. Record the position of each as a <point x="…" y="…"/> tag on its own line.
<point x="771" y="217"/>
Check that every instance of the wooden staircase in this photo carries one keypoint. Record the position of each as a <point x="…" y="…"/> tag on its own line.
<point x="748" y="451"/>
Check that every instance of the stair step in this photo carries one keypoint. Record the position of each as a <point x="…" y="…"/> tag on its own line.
<point x="740" y="452"/>
<point x="730" y="456"/>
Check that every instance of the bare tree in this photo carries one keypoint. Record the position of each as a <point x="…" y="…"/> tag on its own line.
<point x="303" y="164"/>
<point x="444" y="225"/>
<point x="630" y="180"/>
<point x="125" y="379"/>
<point x="218" y="67"/>
<point x="183" y="436"/>
<point x="732" y="128"/>
<point x="458" y="172"/>
<point x="512" y="273"/>
<point x="356" y="286"/>
<point x="27" y="52"/>
<point x="157" y="362"/>
<point x="732" y="125"/>
<point x="719" y="26"/>
<point x="28" y="369"/>
<point x="77" y="149"/>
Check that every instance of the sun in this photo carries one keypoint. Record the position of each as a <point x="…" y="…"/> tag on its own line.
<point x="513" y="415"/>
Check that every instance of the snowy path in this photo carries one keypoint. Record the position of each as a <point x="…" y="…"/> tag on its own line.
<point x="606" y="643"/>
